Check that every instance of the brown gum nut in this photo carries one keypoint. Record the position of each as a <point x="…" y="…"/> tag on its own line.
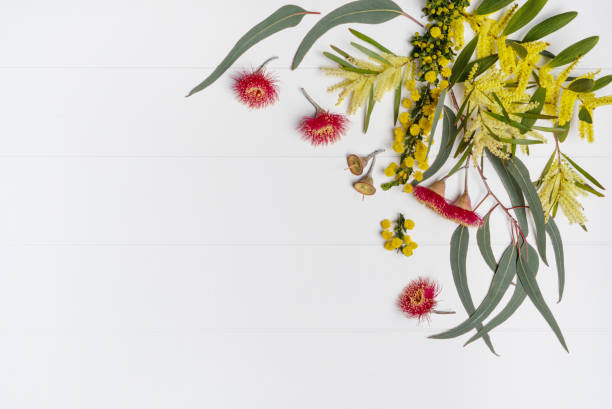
<point x="356" y="164"/>
<point x="365" y="186"/>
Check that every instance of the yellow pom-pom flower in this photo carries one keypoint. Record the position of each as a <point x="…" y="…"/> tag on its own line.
<point x="446" y="72"/>
<point x="423" y="165"/>
<point x="430" y="76"/>
<point x="406" y="251"/>
<point x="415" y="95"/>
<point x="413" y="246"/>
<point x="408" y="188"/>
<point x="387" y="235"/>
<point x="435" y="32"/>
<point x="409" y="224"/>
<point x="418" y="176"/>
<point x="409" y="162"/>
<point x="390" y="171"/>
<point x="415" y="130"/>
<point x="407" y="239"/>
<point x="397" y="243"/>
<point x="404" y="117"/>
<point x="398" y="147"/>
<point x="443" y="61"/>
<point x="444" y="84"/>
<point x="385" y="224"/>
<point x="389" y="246"/>
<point x="399" y="132"/>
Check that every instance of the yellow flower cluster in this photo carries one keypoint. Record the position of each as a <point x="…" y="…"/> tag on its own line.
<point x="398" y="239"/>
<point x="559" y="189"/>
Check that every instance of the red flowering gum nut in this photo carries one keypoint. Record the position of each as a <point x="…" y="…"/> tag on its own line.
<point x="324" y="128"/>
<point x="419" y="298"/>
<point x="256" y="89"/>
<point x="461" y="212"/>
<point x="433" y="196"/>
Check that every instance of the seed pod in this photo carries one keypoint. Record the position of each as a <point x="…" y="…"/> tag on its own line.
<point x="365" y="185"/>
<point x="357" y="164"/>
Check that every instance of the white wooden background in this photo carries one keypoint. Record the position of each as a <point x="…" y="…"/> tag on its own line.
<point x="163" y="252"/>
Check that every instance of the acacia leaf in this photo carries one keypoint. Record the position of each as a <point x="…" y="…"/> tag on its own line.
<point x="491" y="6"/>
<point x="361" y="11"/>
<point x="524" y="15"/>
<point x="462" y="61"/>
<point x="285" y="17"/>
<point x="582" y="85"/>
<point x="549" y="26"/>
<point x="538" y="96"/>
<point x="574" y="51"/>
<point x="484" y="64"/>
<point x="371" y="102"/>
<point x="370" y="41"/>
<point x="602" y="82"/>
<point x="584" y="172"/>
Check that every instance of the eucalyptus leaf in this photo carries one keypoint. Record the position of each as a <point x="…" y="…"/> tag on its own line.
<point x="574" y="51"/>
<point x="462" y="61"/>
<point x="448" y="132"/>
<point x="524" y="15"/>
<point x="530" y="285"/>
<point x="520" y="173"/>
<point x="514" y="191"/>
<point x="502" y="278"/>
<point x="549" y="26"/>
<point x="483" y="237"/>
<point x="491" y="6"/>
<point x="557" y="242"/>
<point x="519" y="295"/>
<point x="458" y="256"/>
<point x="361" y="11"/>
<point x="285" y="17"/>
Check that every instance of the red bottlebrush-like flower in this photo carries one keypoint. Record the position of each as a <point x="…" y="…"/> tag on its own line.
<point x="325" y="127"/>
<point x="461" y="212"/>
<point x="418" y="299"/>
<point x="432" y="196"/>
<point x="257" y="89"/>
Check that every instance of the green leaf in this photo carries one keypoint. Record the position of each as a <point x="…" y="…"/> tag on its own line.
<point x="582" y="85"/>
<point x="557" y="242"/>
<point x="549" y="26"/>
<point x="588" y="188"/>
<point x="540" y="97"/>
<point x="458" y="256"/>
<point x="518" y="296"/>
<point x="461" y="63"/>
<point x="483" y="237"/>
<point x="585" y="116"/>
<point x="371" y="103"/>
<point x="491" y="6"/>
<point x="448" y="132"/>
<point x="546" y="168"/>
<point x="285" y="17"/>
<point x="514" y="191"/>
<point x="361" y="11"/>
<point x="464" y="104"/>
<point x="574" y="51"/>
<point x="529" y="115"/>
<point x="338" y="60"/>
<point x="503" y="108"/>
<point x="602" y="82"/>
<point x="458" y="165"/>
<point x="562" y="135"/>
<point x="520" y="173"/>
<point x="397" y="100"/>
<point x="584" y="172"/>
<point x="371" y="53"/>
<point x="370" y="41"/>
<point x="524" y="15"/>
<point x="530" y="285"/>
<point x="436" y="119"/>
<point x="499" y="285"/>
<point x="484" y="64"/>
<point x="520" y="141"/>
<point x="518" y="48"/>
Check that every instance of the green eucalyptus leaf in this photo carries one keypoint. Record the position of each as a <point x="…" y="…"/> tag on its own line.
<point x="524" y="15"/>
<point x="584" y="172"/>
<point x="520" y="173"/>
<point x="448" y="132"/>
<point x="557" y="242"/>
<point x="458" y="257"/>
<point x="585" y="116"/>
<point x="530" y="285"/>
<point x="285" y="17"/>
<point x="361" y="11"/>
<point x="483" y="237"/>
<point x="514" y="191"/>
<point x="582" y="85"/>
<point x="436" y="119"/>
<point x="370" y="41"/>
<point x="491" y="6"/>
<point x="602" y="82"/>
<point x="573" y="52"/>
<point x="462" y="61"/>
<point x="549" y="26"/>
<point x="519" y="295"/>
<point x="502" y="278"/>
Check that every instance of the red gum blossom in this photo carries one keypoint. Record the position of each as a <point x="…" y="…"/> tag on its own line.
<point x="449" y="211"/>
<point x="324" y="128"/>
